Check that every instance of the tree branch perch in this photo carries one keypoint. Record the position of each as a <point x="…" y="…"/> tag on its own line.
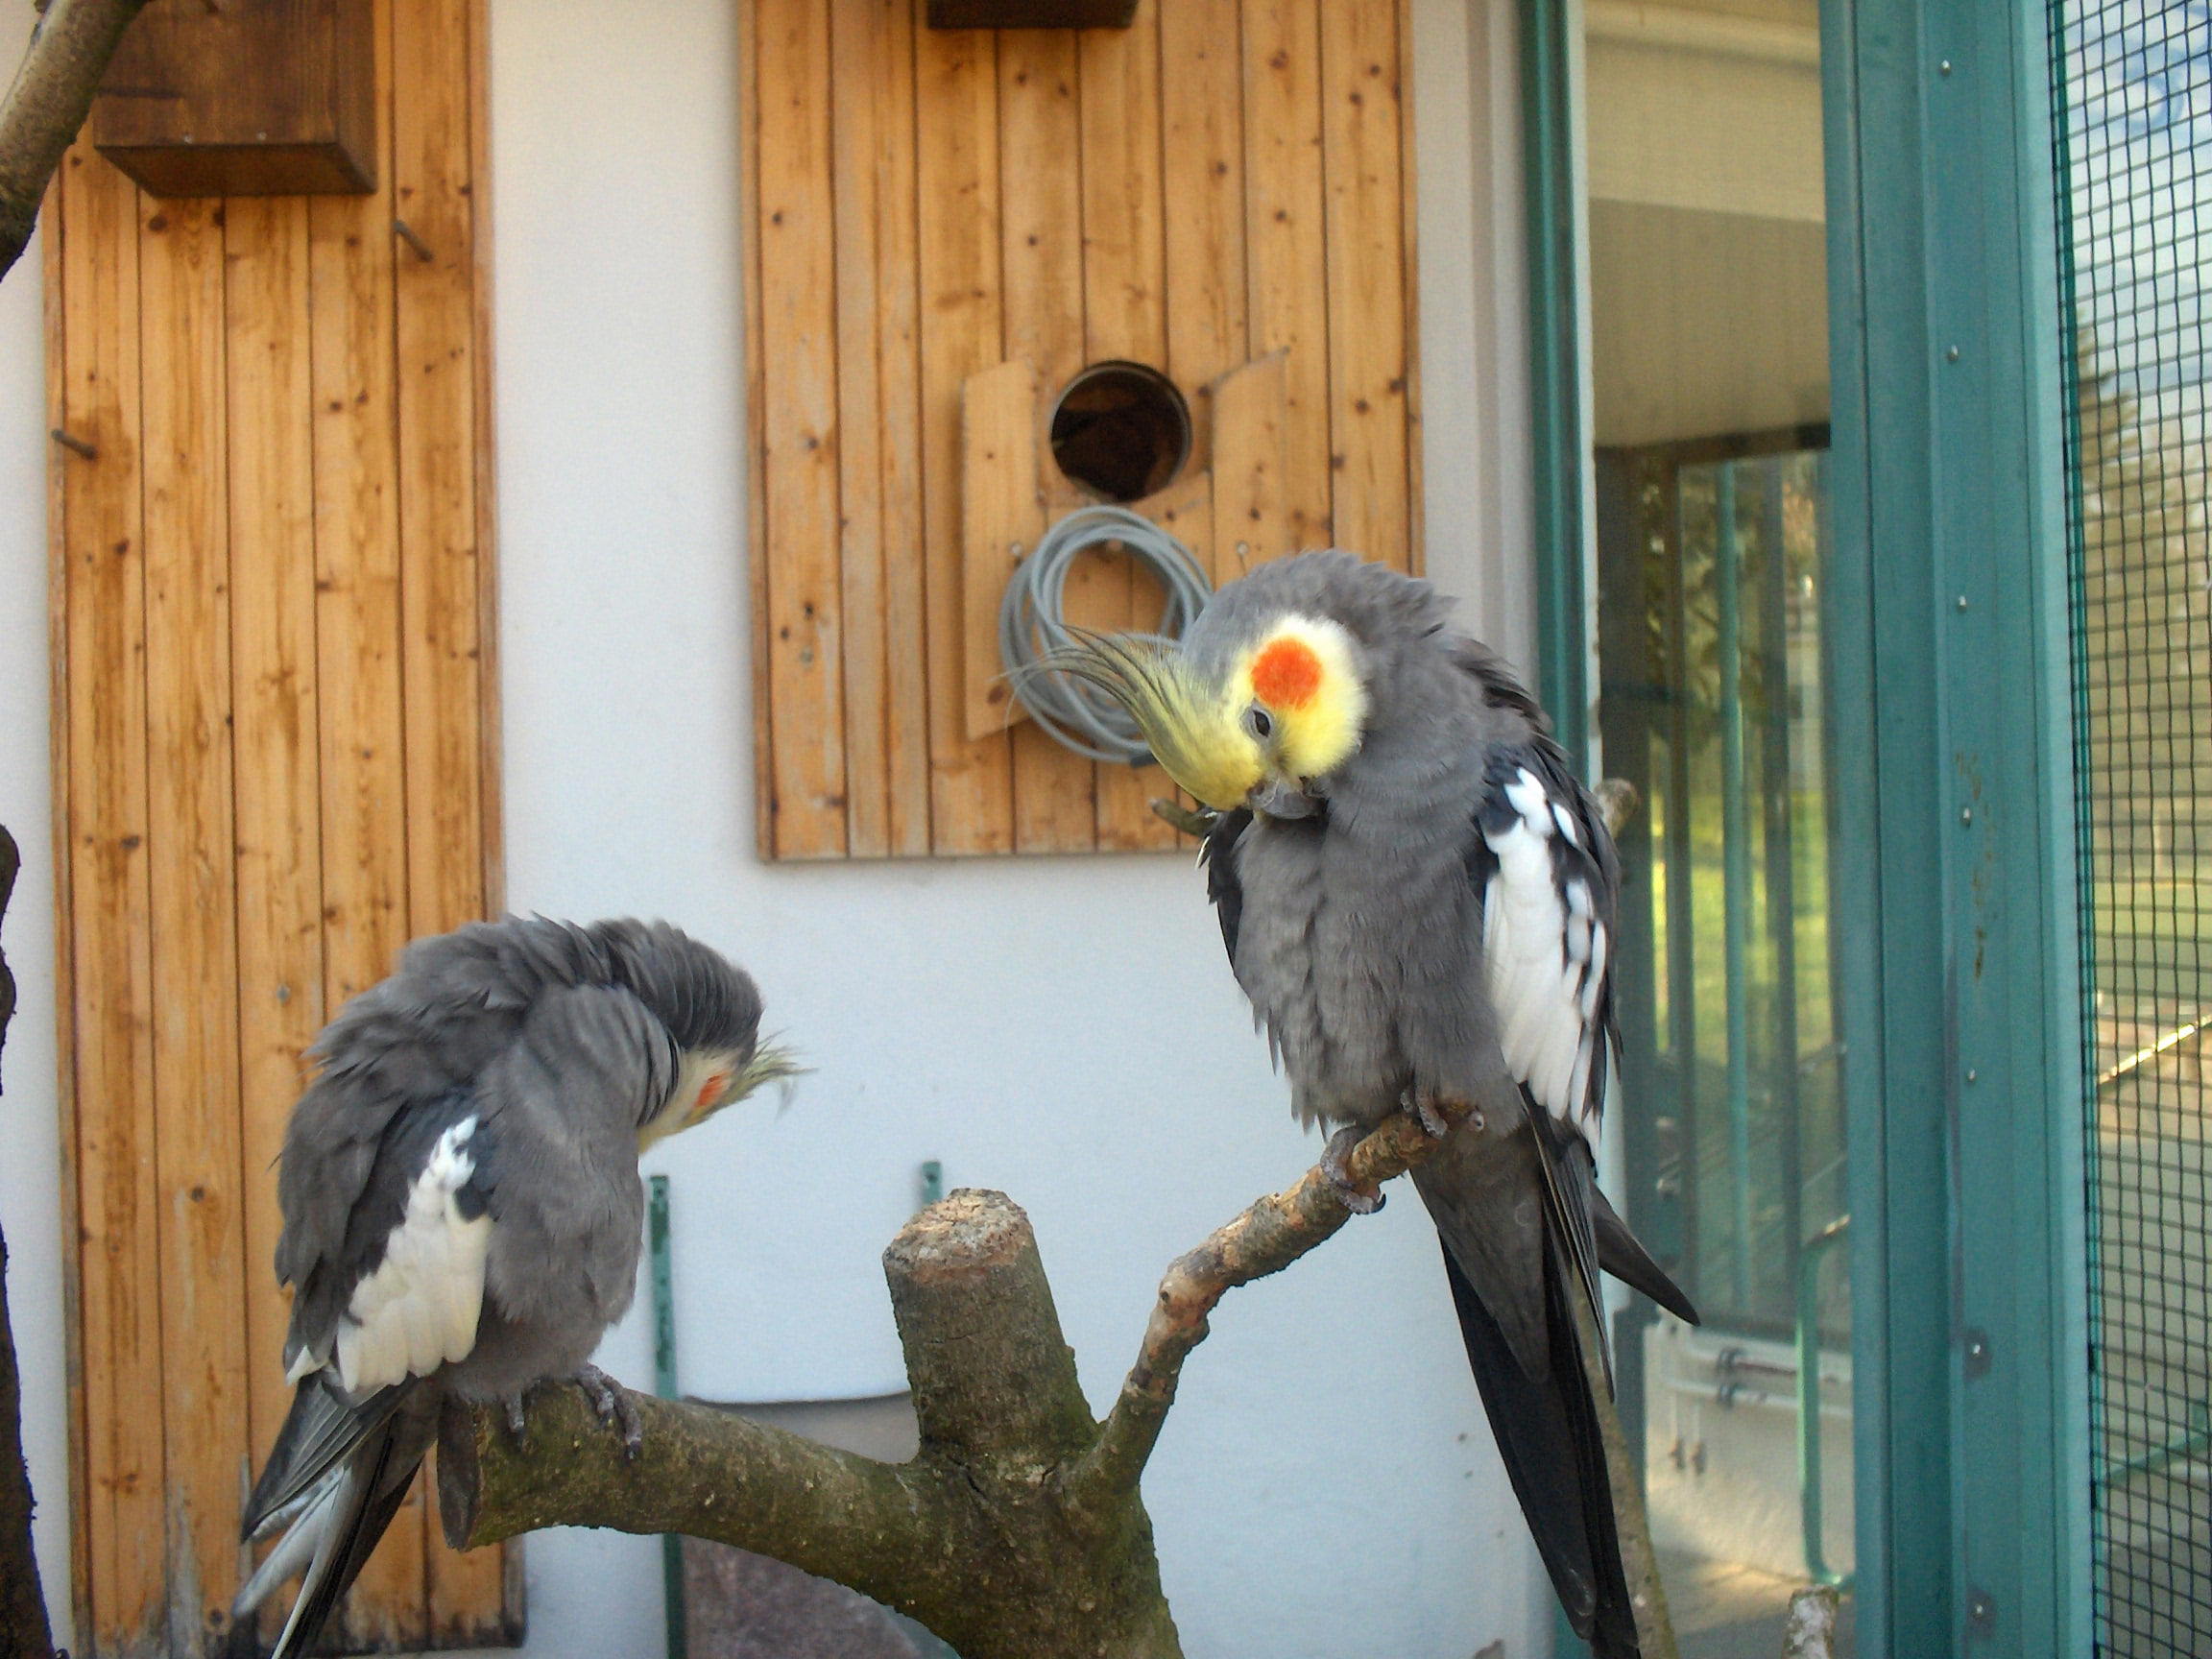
<point x="1017" y="1528"/>
<point x="46" y="106"/>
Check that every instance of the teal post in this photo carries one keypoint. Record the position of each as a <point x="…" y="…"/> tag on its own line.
<point x="1953" y="724"/>
<point x="1556" y="374"/>
<point x="662" y="1256"/>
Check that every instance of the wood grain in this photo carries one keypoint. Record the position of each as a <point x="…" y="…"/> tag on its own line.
<point x="362" y="733"/>
<point x="1040" y="241"/>
<point x="1222" y="180"/>
<point x="960" y="295"/>
<point x="191" y="873"/>
<point x="121" y="1529"/>
<point x="1000" y="518"/>
<point x="275" y="706"/>
<point x="1368" y="349"/>
<point x="1284" y="221"/>
<point x="272" y="762"/>
<point x="798" y="437"/>
<point x="442" y="575"/>
<point x="1202" y="97"/>
<point x="1124" y="316"/>
<point x="863" y="194"/>
<point x="1251" y="506"/>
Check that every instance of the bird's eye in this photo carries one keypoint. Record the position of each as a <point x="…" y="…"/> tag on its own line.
<point x="1260" y="723"/>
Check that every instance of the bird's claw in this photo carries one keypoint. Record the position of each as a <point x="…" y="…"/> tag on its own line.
<point x="612" y="1406"/>
<point x="517" y="1422"/>
<point x="1336" y="1169"/>
<point x="1424" y="1111"/>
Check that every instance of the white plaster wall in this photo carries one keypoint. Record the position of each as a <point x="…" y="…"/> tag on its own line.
<point x="1061" y="1029"/>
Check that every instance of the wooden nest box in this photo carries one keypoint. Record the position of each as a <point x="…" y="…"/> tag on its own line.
<point x="249" y="98"/>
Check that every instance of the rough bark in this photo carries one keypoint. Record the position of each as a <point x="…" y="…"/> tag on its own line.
<point x="52" y="94"/>
<point x="1015" y="1529"/>
<point x="24" y="1633"/>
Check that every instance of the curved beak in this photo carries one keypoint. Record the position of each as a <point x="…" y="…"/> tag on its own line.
<point x="1280" y="798"/>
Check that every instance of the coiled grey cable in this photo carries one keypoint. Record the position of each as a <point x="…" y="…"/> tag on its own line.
<point x="1079" y="714"/>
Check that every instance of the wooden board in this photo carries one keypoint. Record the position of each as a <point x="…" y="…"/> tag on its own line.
<point x="1221" y="181"/>
<point x="1001" y="518"/>
<point x="274" y="762"/>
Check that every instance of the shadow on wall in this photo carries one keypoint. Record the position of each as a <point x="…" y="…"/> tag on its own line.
<point x="739" y="1605"/>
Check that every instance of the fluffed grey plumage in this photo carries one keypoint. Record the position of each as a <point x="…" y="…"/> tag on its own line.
<point x="462" y="1212"/>
<point x="1418" y="898"/>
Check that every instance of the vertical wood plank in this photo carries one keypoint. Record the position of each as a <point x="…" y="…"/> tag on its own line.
<point x="1000" y="518"/>
<point x="441" y="577"/>
<point x="797" y="438"/>
<point x="1251" y="508"/>
<point x="957" y="178"/>
<point x="192" y="897"/>
<point x="1410" y="290"/>
<point x="1202" y="100"/>
<point x="1362" y="131"/>
<point x="1125" y="316"/>
<point x="899" y="373"/>
<point x="1040" y="240"/>
<point x="278" y="788"/>
<point x="434" y="321"/>
<point x="61" y="834"/>
<point x="1284" y="218"/>
<point x="122" y="1527"/>
<point x="491" y="854"/>
<point x="361" y="740"/>
<point x="857" y="149"/>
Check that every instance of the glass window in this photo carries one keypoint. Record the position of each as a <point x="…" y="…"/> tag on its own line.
<point x="1709" y="386"/>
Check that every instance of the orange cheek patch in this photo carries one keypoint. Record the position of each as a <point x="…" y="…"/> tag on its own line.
<point x="1286" y="674"/>
<point x="709" y="1089"/>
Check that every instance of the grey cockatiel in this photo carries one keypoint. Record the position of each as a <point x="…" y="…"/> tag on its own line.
<point x="462" y="1205"/>
<point x="1418" y="898"/>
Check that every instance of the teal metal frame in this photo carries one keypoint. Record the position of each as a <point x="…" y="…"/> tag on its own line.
<point x="1955" y="752"/>
<point x="1968" y="1252"/>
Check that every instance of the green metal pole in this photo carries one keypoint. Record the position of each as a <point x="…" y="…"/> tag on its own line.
<point x="1735" y="870"/>
<point x="664" y="1385"/>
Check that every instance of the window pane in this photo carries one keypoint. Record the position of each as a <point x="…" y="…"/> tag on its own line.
<point x="1709" y="353"/>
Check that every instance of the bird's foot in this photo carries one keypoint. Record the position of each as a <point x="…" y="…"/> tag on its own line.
<point x="1336" y="1170"/>
<point x="1424" y="1110"/>
<point x="612" y="1406"/>
<point x="517" y="1422"/>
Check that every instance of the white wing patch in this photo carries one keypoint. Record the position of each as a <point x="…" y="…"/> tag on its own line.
<point x="418" y="1308"/>
<point x="1545" y="950"/>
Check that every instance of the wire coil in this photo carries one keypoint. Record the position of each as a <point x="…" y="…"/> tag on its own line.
<point x="1031" y="623"/>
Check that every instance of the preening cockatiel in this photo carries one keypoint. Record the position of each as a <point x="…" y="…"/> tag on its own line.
<point x="463" y="1213"/>
<point x="1418" y="896"/>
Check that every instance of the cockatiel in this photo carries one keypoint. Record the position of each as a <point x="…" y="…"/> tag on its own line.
<point x="1418" y="898"/>
<point x="463" y="1213"/>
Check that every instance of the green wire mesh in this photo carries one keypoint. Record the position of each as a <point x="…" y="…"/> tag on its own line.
<point x="2132" y="97"/>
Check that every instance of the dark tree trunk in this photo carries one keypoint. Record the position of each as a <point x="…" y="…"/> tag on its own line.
<point x="24" y="1633"/>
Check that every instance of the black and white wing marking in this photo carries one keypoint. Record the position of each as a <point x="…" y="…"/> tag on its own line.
<point x="1543" y="863"/>
<point x="419" y="1289"/>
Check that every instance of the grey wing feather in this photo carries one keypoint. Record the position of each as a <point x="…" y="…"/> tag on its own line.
<point x="1224" y="887"/>
<point x="568" y="1206"/>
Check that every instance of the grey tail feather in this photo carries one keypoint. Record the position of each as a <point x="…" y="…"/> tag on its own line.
<point x="320" y="1430"/>
<point x="1621" y="1254"/>
<point x="336" y="1531"/>
<point x="1554" y="1453"/>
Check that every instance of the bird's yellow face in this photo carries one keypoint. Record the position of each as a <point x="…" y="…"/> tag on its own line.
<point x="707" y="1081"/>
<point x="1289" y="712"/>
